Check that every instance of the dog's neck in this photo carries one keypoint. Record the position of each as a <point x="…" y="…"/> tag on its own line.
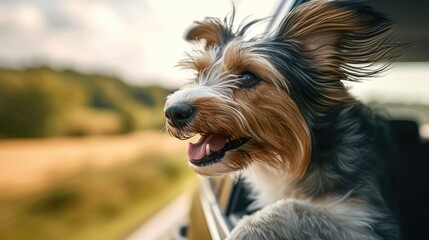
<point x="268" y="184"/>
<point x="341" y="139"/>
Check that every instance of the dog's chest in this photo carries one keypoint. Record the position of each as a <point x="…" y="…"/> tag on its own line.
<point x="269" y="185"/>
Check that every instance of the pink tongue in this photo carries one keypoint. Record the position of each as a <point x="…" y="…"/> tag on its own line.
<point x="197" y="151"/>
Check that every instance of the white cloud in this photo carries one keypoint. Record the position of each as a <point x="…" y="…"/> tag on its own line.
<point x="96" y="17"/>
<point x="24" y="16"/>
<point x="138" y="40"/>
<point x="22" y="29"/>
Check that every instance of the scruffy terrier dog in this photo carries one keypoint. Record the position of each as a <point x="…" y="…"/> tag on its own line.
<point x="275" y="109"/>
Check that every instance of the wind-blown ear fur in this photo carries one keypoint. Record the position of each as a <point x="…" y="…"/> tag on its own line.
<point x="339" y="35"/>
<point x="212" y="30"/>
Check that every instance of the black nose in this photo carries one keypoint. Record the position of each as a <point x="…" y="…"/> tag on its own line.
<point x="179" y="114"/>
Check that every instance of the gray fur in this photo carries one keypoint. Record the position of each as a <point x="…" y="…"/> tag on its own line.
<point x="297" y="220"/>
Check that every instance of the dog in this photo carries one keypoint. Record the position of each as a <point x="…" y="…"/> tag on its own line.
<point x="275" y="109"/>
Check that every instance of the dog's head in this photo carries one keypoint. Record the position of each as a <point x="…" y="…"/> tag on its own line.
<point x="255" y="100"/>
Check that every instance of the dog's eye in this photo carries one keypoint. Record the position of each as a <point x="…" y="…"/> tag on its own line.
<point x="248" y="79"/>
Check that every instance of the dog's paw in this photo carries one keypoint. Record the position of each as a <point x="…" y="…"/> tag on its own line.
<point x="283" y="220"/>
<point x="266" y="224"/>
<point x="245" y="230"/>
<point x="250" y="228"/>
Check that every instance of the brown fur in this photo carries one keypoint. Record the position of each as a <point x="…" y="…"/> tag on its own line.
<point x="211" y="30"/>
<point x="276" y="109"/>
<point x="283" y="119"/>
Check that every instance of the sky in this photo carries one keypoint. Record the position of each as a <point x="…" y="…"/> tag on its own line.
<point x="140" y="41"/>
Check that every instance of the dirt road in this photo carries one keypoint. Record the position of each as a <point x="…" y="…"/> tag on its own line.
<point x="26" y="163"/>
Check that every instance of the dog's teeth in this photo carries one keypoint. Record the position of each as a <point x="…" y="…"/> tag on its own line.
<point x="227" y="140"/>
<point x="207" y="149"/>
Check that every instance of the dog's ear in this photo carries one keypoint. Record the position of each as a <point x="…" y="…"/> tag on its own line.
<point x="211" y="30"/>
<point x="338" y="34"/>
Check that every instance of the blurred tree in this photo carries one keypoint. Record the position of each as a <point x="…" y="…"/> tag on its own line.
<point x="39" y="102"/>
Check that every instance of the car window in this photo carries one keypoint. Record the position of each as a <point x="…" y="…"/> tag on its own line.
<point x="411" y="25"/>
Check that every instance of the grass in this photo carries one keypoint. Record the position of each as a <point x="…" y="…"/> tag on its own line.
<point x="96" y="203"/>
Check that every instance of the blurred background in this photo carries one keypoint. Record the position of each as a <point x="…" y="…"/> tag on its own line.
<point x="82" y="88"/>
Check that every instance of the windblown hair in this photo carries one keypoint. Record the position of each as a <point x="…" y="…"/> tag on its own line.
<point x="275" y="108"/>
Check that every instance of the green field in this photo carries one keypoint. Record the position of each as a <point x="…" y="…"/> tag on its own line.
<point x="96" y="187"/>
<point x="93" y="203"/>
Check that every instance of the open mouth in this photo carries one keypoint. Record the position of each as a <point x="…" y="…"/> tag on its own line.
<point x="212" y="148"/>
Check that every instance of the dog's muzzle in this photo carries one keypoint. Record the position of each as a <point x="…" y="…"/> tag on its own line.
<point x="179" y="114"/>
